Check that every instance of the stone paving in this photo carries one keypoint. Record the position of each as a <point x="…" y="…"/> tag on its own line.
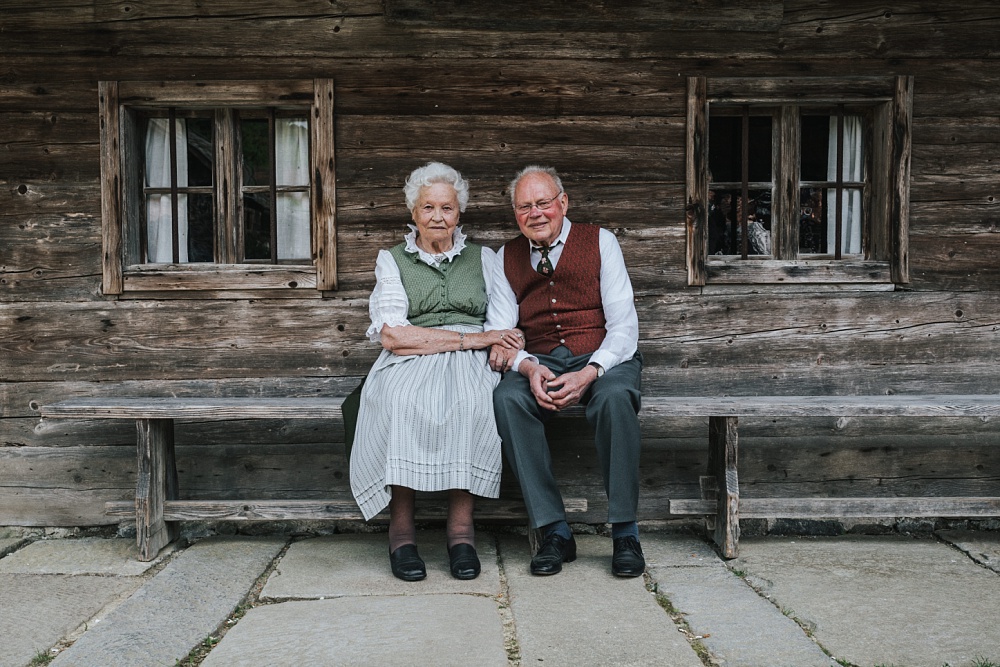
<point x="786" y="601"/>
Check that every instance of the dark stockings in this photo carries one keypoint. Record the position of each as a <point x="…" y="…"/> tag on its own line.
<point x="403" y="530"/>
<point x="460" y="527"/>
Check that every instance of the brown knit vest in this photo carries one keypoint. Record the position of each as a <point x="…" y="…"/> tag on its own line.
<point x="565" y="308"/>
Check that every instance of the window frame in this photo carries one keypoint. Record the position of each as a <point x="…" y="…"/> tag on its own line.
<point x="121" y="184"/>
<point x="885" y="245"/>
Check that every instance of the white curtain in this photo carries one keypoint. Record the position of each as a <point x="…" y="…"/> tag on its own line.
<point x="159" y="249"/>
<point x="850" y="200"/>
<point x="292" y="166"/>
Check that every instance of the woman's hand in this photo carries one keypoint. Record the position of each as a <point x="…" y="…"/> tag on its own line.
<point x="512" y="339"/>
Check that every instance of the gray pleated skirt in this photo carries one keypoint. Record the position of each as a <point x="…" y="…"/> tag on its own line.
<point x="426" y="422"/>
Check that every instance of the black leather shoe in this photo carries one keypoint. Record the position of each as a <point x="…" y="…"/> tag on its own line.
<point x="407" y="564"/>
<point x="555" y="551"/>
<point x="627" y="560"/>
<point x="464" y="561"/>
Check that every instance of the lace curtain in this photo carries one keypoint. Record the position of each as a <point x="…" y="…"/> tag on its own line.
<point x="850" y="200"/>
<point x="159" y="248"/>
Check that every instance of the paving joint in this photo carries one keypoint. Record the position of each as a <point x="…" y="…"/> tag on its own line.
<point x="680" y="621"/>
<point x="251" y="600"/>
<point x="510" y="642"/>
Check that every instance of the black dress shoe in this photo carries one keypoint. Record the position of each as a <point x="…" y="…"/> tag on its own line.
<point x="407" y="564"/>
<point x="555" y="551"/>
<point x="627" y="560"/>
<point x="464" y="561"/>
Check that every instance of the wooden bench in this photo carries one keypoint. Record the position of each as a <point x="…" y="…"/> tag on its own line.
<point x="157" y="507"/>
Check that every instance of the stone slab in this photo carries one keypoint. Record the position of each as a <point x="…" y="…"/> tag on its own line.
<point x="881" y="600"/>
<point x="736" y="625"/>
<point x="418" y="630"/>
<point x="981" y="546"/>
<point x="37" y="611"/>
<point x="586" y="616"/>
<point x="87" y="555"/>
<point x="175" y="610"/>
<point x="340" y="565"/>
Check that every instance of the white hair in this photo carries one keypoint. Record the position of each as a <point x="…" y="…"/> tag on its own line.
<point x="534" y="169"/>
<point x="435" y="172"/>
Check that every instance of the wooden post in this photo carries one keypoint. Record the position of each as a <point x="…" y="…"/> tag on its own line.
<point x="722" y="459"/>
<point x="156" y="483"/>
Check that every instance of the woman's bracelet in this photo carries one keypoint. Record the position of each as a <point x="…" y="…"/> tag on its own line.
<point x="461" y="341"/>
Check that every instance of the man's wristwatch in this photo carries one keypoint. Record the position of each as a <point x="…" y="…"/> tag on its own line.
<point x="600" y="369"/>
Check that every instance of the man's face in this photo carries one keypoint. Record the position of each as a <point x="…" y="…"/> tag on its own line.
<point x="539" y="208"/>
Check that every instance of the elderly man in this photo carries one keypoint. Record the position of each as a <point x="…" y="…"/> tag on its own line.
<point x="565" y="286"/>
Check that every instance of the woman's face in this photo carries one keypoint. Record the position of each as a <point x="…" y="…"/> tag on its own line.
<point x="436" y="214"/>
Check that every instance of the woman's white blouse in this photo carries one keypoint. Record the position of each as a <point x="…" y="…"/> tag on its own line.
<point x="388" y="304"/>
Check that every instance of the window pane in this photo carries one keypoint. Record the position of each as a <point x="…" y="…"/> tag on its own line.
<point x="850" y="213"/>
<point x="815" y="145"/>
<point x="819" y="148"/>
<point x="257" y="226"/>
<point x="256" y="167"/>
<point x="292" y="151"/>
<point x="293" y="226"/>
<point x="200" y="241"/>
<point x="158" y="153"/>
<point x="159" y="229"/>
<point x="725" y="210"/>
<point x="812" y="221"/>
<point x="725" y="149"/>
<point x="199" y="151"/>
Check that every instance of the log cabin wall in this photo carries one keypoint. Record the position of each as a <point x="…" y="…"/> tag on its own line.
<point x="488" y="88"/>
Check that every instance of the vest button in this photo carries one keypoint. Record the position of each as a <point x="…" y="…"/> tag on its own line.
<point x="558" y="326"/>
<point x="552" y="283"/>
<point x="553" y="300"/>
<point x="562" y="340"/>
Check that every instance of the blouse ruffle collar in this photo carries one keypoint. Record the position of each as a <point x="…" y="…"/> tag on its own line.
<point x="458" y="245"/>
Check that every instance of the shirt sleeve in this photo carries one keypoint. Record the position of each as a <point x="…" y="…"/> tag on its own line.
<point x="388" y="304"/>
<point x="622" y="321"/>
<point x="503" y="312"/>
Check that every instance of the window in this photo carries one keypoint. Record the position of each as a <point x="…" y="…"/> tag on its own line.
<point x="224" y="187"/>
<point x="798" y="180"/>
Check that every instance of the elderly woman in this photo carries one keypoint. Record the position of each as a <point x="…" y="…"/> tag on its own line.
<point x="426" y="416"/>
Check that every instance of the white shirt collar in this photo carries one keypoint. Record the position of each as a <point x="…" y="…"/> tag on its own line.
<point x="458" y="245"/>
<point x="563" y="235"/>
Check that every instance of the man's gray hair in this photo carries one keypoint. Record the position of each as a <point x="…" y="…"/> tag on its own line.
<point x="435" y="172"/>
<point x="534" y="169"/>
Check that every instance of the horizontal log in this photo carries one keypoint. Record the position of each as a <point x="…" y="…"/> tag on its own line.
<point x="822" y="508"/>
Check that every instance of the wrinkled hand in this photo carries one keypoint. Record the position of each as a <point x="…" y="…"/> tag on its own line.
<point x="501" y="358"/>
<point x="511" y="339"/>
<point x="504" y="345"/>
<point x="567" y="389"/>
<point x="540" y="378"/>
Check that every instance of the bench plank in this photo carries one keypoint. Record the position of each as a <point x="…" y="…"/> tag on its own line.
<point x="897" y="405"/>
<point x="321" y="509"/>
<point x="196" y="408"/>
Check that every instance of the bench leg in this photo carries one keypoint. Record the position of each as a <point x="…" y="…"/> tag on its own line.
<point x="722" y="459"/>
<point x="156" y="482"/>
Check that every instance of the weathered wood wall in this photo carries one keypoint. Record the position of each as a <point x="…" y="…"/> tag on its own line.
<point x="600" y="97"/>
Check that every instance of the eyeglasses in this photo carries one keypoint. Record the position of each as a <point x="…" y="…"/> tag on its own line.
<point x="541" y="205"/>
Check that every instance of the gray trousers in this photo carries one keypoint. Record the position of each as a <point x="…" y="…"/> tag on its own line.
<point x="612" y="406"/>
